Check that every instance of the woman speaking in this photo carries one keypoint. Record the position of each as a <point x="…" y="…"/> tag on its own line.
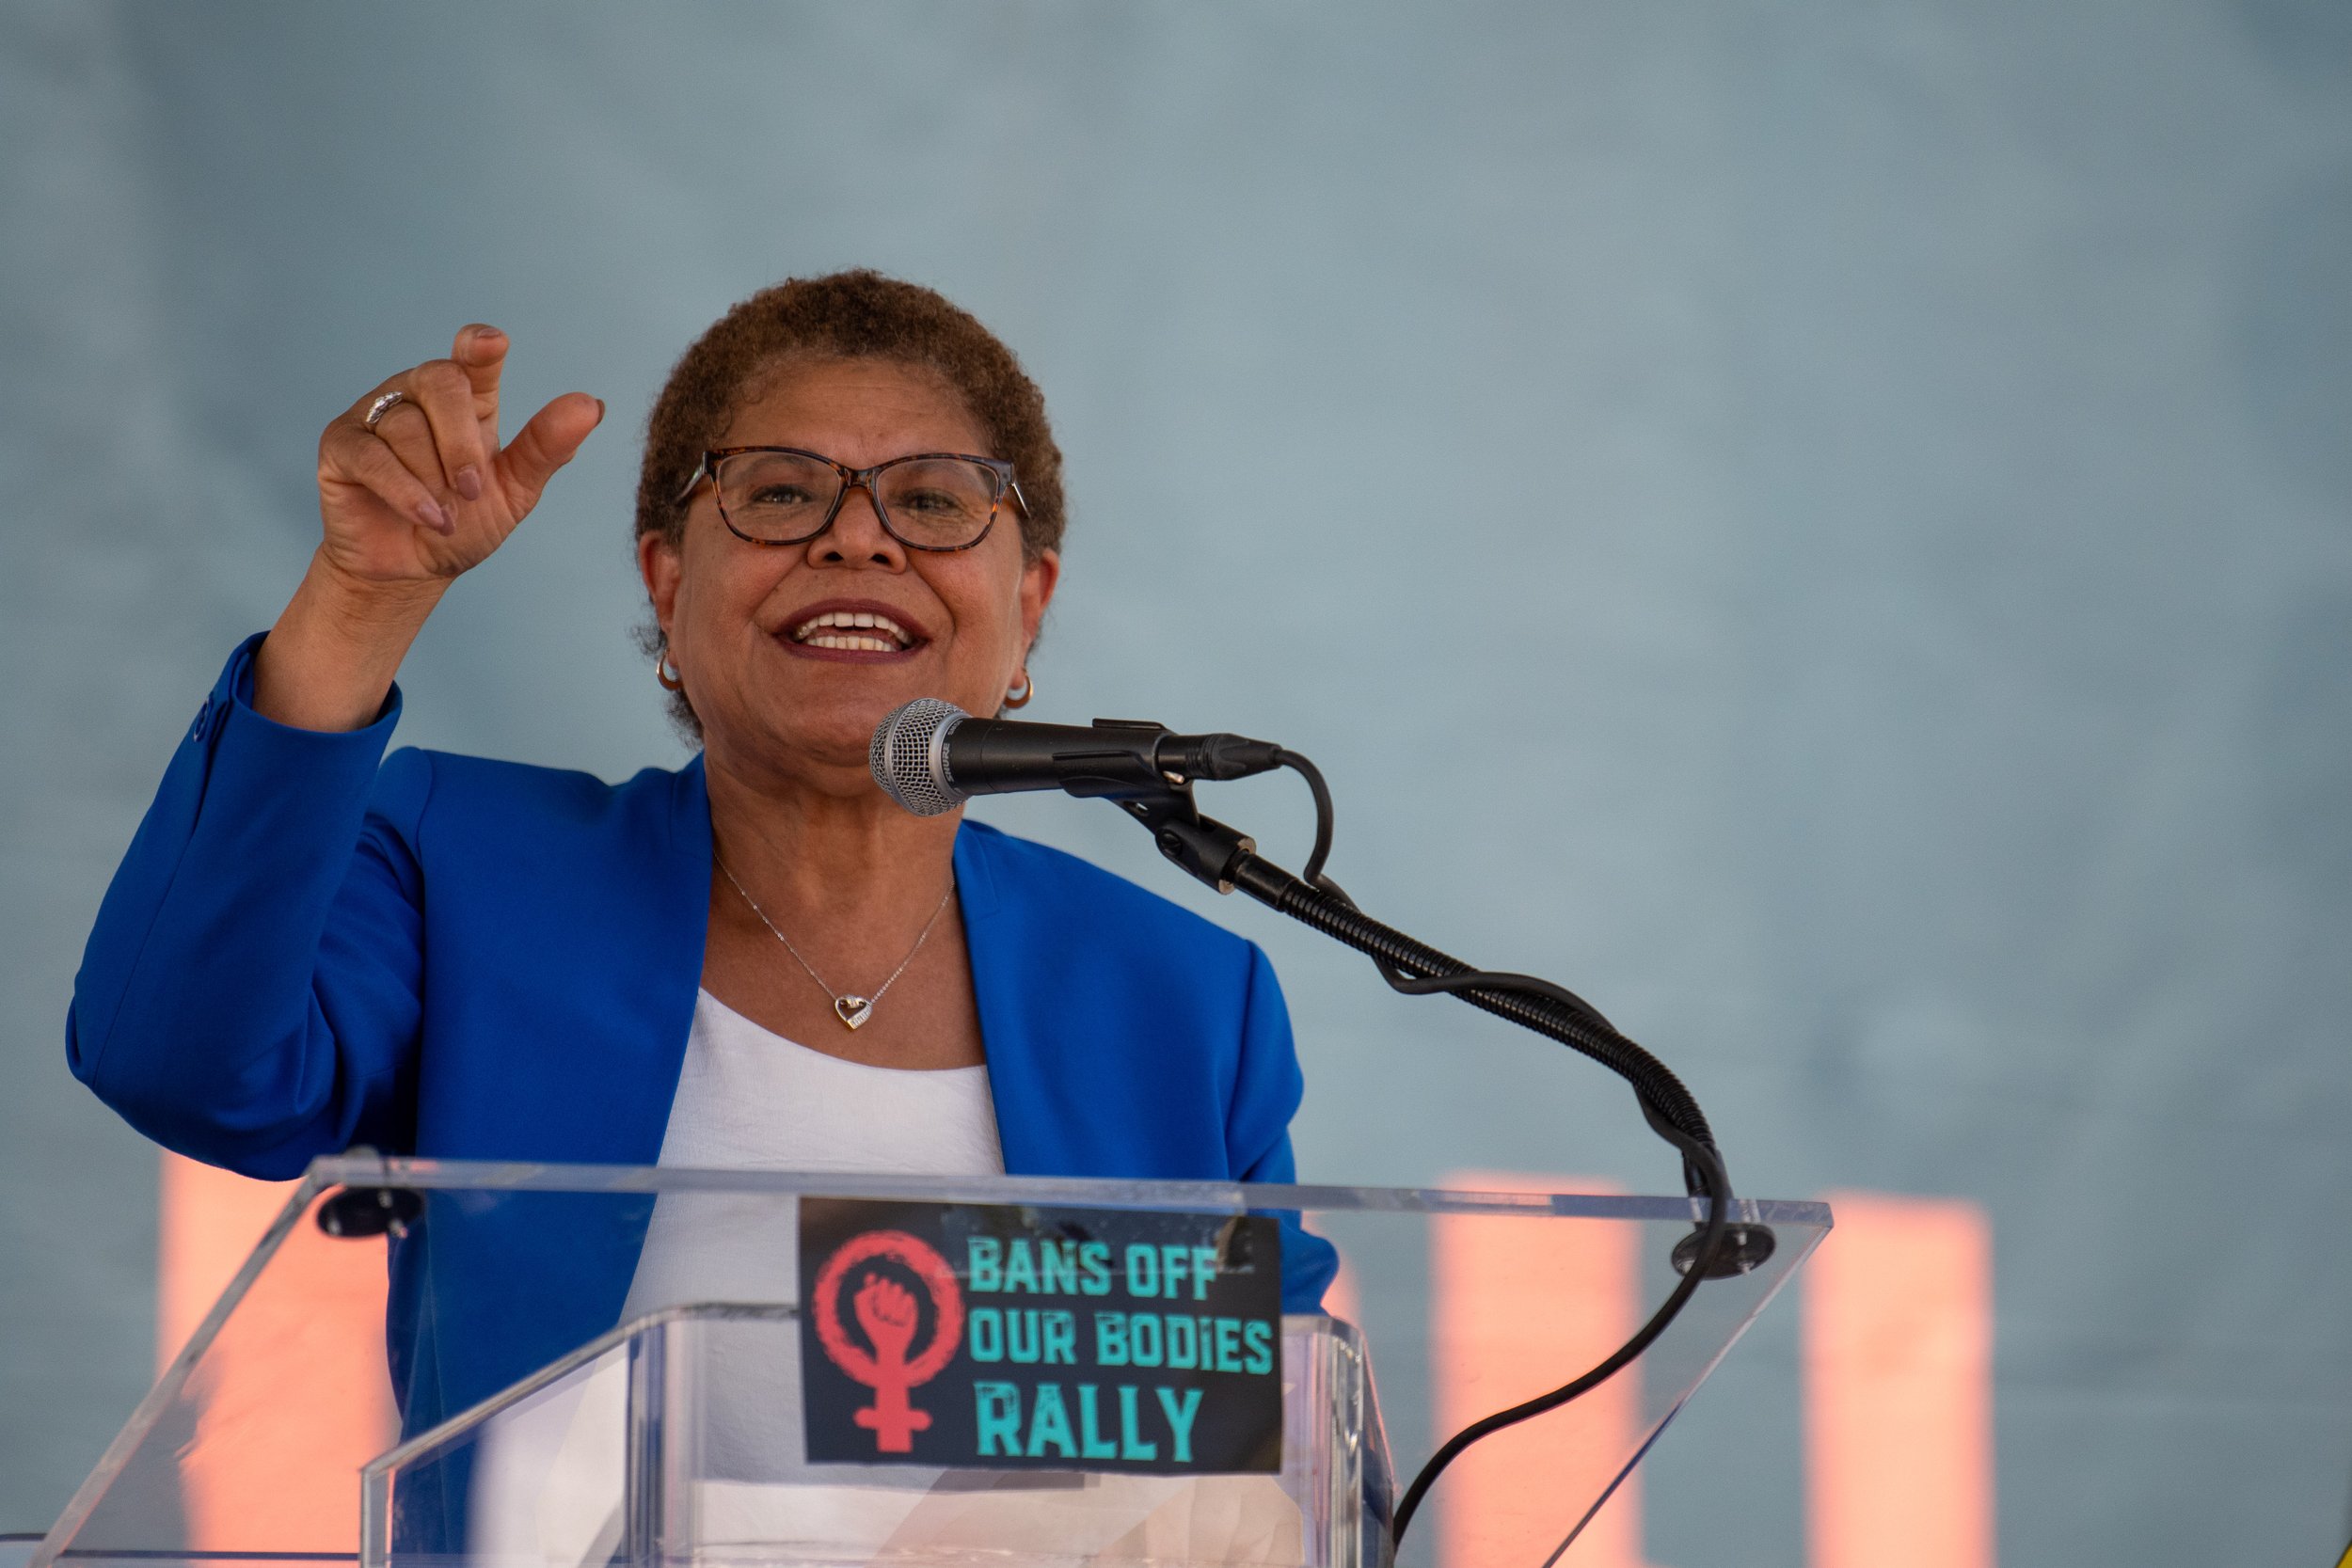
<point x="849" y="498"/>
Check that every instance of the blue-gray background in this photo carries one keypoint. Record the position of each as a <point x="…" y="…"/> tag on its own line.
<point x="1823" y="525"/>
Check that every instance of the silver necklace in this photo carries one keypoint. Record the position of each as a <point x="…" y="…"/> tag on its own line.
<point x="853" y="1010"/>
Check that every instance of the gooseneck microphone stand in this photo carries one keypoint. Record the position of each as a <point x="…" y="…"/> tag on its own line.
<point x="1227" y="860"/>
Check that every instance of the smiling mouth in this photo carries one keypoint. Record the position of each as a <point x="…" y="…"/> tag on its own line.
<point x="857" y="631"/>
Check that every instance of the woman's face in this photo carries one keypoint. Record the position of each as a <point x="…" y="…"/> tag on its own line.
<point x="742" y="618"/>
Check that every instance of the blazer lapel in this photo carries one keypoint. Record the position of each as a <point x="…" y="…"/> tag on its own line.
<point x="678" y="930"/>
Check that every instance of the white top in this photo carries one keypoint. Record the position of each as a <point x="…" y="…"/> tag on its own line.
<point x="749" y="1098"/>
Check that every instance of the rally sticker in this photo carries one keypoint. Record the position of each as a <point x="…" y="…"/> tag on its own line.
<point x="1008" y="1337"/>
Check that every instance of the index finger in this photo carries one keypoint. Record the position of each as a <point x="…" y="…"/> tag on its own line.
<point x="480" y="351"/>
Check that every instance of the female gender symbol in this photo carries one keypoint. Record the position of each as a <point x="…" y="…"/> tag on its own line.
<point x="888" y="1313"/>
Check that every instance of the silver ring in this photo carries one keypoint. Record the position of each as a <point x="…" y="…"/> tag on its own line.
<point x="382" y="406"/>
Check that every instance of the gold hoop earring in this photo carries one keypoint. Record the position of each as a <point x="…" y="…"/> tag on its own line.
<point x="1028" y="690"/>
<point x="672" y="679"/>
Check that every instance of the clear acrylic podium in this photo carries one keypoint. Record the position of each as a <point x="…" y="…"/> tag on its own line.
<point x="667" y="1431"/>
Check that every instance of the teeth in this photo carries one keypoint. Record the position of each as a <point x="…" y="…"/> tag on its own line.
<point x="894" y="637"/>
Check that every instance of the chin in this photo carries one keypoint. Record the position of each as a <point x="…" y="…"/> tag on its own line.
<point x="835" y="728"/>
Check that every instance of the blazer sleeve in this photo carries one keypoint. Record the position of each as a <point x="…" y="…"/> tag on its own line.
<point x="1267" y="1094"/>
<point x="250" y="995"/>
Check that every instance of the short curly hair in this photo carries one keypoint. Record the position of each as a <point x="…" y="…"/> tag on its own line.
<point x="860" y="314"/>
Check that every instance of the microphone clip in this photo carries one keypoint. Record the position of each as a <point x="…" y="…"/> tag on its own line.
<point x="1202" y="846"/>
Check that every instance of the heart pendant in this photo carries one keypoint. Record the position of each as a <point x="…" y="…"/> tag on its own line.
<point x="855" y="1010"/>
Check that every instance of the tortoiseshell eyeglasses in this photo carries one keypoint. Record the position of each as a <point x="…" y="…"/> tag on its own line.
<point x="930" y="501"/>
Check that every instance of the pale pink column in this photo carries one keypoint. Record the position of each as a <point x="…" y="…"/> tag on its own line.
<point x="1342" y="1298"/>
<point x="295" y="1395"/>
<point x="1897" y="1331"/>
<point x="1518" y="1307"/>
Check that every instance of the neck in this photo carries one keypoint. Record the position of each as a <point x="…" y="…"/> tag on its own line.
<point x="839" y="856"/>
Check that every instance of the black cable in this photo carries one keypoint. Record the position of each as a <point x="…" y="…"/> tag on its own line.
<point x="1313" y="875"/>
<point x="1433" y="985"/>
<point x="1711" y="1235"/>
<point x="1522" y="999"/>
<point x="1665" y="1103"/>
<point x="1417" y="969"/>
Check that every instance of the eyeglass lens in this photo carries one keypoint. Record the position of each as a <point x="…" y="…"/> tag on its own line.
<point x="931" y="502"/>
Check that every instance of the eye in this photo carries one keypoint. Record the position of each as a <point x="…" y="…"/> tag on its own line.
<point x="781" y="494"/>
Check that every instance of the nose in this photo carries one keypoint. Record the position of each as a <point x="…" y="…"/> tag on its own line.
<point x="857" y="536"/>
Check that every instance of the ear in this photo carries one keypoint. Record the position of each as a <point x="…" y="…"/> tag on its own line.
<point x="659" y="564"/>
<point x="1038" y="581"/>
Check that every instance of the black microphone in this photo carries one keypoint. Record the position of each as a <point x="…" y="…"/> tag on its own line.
<point x="931" y="756"/>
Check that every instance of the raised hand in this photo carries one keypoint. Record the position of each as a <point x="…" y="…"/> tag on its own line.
<point x="429" y="492"/>
<point x="408" y="505"/>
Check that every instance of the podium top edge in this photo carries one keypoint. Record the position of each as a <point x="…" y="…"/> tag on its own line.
<point x="363" y="1169"/>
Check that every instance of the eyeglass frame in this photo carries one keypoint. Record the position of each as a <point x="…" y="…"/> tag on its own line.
<point x="853" y="478"/>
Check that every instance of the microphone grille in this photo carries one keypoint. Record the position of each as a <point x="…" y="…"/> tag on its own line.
<point x="909" y="755"/>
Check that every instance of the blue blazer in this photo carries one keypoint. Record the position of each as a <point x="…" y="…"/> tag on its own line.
<point x="310" y="947"/>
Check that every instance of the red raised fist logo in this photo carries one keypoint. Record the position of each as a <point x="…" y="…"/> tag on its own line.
<point x="888" y="1314"/>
